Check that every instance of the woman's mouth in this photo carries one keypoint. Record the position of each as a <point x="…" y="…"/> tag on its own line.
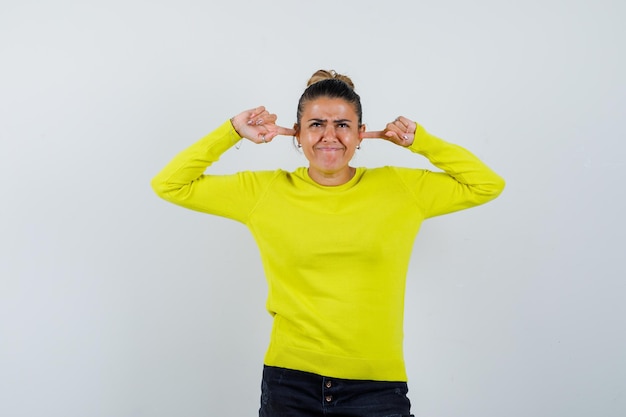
<point x="329" y="148"/>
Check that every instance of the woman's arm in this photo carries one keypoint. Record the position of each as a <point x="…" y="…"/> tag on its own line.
<point x="184" y="182"/>
<point x="465" y="182"/>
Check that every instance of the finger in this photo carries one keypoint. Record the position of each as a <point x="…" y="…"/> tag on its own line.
<point x="399" y="137"/>
<point x="264" y="137"/>
<point x="257" y="119"/>
<point x="402" y="121"/>
<point x="394" y="128"/>
<point x="374" y="134"/>
<point x="255" y="112"/>
<point x="267" y="132"/>
<point x="410" y="125"/>
<point x="392" y="135"/>
<point x="264" y="118"/>
<point x="401" y="124"/>
<point x="285" y="131"/>
<point x="395" y="138"/>
<point x="257" y="116"/>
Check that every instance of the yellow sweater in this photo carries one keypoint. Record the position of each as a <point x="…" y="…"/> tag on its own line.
<point x="335" y="258"/>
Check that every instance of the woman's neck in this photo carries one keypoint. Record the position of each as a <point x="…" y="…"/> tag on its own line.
<point x="332" y="179"/>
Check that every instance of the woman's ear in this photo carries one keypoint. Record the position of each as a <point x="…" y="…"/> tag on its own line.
<point x="296" y="136"/>
<point x="362" y="130"/>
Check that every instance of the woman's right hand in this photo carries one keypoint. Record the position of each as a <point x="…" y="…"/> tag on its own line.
<point x="401" y="132"/>
<point x="259" y="125"/>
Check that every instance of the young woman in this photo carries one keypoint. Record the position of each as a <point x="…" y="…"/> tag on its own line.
<point x="335" y="243"/>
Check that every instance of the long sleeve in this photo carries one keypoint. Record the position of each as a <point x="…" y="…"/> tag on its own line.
<point x="465" y="182"/>
<point x="183" y="181"/>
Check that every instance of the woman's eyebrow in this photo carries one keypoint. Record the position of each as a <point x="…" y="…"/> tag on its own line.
<point x="325" y="120"/>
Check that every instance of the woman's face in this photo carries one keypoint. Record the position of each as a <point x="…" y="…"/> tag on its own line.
<point x="329" y="133"/>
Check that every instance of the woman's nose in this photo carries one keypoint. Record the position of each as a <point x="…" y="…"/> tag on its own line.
<point x="329" y="132"/>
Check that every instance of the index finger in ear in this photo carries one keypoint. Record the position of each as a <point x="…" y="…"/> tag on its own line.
<point x="373" y="134"/>
<point x="285" y="131"/>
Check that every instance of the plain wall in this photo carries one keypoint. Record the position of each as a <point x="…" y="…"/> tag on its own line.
<point x="115" y="303"/>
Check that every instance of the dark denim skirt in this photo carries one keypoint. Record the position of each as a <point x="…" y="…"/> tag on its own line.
<point x="290" y="393"/>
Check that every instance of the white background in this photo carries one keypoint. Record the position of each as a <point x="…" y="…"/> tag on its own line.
<point x="114" y="303"/>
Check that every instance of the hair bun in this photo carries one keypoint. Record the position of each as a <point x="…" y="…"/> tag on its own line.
<point x="322" y="75"/>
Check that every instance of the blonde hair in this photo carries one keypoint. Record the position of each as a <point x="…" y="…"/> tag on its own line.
<point x="321" y="75"/>
<point x="328" y="83"/>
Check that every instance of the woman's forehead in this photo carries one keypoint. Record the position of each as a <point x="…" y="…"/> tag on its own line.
<point x="329" y="108"/>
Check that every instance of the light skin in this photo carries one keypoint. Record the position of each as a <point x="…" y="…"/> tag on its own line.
<point x="329" y="135"/>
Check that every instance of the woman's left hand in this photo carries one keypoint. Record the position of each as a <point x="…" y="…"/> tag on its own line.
<point x="258" y="125"/>
<point x="401" y="132"/>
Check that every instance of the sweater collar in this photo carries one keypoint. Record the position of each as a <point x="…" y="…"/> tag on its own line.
<point x="303" y="173"/>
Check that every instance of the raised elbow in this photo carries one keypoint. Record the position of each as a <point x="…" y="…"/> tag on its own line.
<point x="159" y="186"/>
<point x="488" y="190"/>
<point x="494" y="188"/>
<point x="499" y="185"/>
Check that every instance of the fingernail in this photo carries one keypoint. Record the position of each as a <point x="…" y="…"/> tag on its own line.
<point x="259" y="122"/>
<point x="405" y="137"/>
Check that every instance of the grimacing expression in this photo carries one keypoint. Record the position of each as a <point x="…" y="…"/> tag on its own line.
<point x="329" y="133"/>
